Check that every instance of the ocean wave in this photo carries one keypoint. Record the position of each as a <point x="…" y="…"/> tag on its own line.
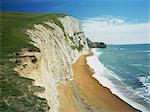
<point x="140" y="65"/>
<point x="95" y="52"/>
<point x="96" y="63"/>
<point x="142" y="51"/>
<point x="145" y="90"/>
<point x="110" y="80"/>
<point x="137" y="64"/>
<point x="121" y="49"/>
<point x="137" y="68"/>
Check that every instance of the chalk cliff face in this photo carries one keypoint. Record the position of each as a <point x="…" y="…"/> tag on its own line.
<point x="59" y="46"/>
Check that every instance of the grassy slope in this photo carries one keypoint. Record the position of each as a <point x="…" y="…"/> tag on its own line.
<point x="13" y="26"/>
<point x="17" y="93"/>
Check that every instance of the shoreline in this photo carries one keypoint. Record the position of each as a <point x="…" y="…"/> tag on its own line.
<point x="108" y="79"/>
<point x="94" y="93"/>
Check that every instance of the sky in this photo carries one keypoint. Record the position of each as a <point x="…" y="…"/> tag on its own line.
<point x="110" y="21"/>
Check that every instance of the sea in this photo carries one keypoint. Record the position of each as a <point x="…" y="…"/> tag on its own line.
<point x="125" y="70"/>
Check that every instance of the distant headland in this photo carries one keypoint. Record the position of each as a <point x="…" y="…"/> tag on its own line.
<point x="96" y="44"/>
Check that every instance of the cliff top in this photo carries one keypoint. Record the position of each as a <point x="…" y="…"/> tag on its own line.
<point x="14" y="24"/>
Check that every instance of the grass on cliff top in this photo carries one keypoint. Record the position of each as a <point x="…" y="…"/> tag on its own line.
<point x="13" y="27"/>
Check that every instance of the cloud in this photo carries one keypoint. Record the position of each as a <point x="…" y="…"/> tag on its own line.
<point x="116" y="30"/>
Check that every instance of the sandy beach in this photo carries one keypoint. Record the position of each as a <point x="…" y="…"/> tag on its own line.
<point x="85" y="94"/>
<point x="94" y="94"/>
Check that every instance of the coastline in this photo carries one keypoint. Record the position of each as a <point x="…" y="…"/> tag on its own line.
<point x="97" y="96"/>
<point x="109" y="79"/>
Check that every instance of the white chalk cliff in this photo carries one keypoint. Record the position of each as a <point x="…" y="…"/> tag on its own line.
<point x="59" y="48"/>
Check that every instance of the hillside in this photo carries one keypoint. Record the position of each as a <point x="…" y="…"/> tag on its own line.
<point x="37" y="52"/>
<point x="95" y="44"/>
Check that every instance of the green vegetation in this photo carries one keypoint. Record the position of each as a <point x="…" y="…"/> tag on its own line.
<point x="17" y="93"/>
<point x="73" y="47"/>
<point x="79" y="48"/>
<point x="71" y="38"/>
<point x="13" y="26"/>
<point x="77" y="33"/>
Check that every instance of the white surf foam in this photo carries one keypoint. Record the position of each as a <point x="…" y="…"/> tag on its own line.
<point x="145" y="91"/>
<point x="105" y="77"/>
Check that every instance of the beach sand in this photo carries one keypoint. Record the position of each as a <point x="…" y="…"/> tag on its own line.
<point x="85" y="94"/>
<point x="67" y="103"/>
<point x="97" y="95"/>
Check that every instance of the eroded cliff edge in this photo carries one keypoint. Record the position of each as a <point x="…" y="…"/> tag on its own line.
<point x="57" y="43"/>
<point x="59" y="48"/>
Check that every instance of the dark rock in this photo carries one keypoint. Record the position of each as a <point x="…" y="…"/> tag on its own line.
<point x="25" y="65"/>
<point x="17" y="53"/>
<point x="34" y="49"/>
<point x="18" y="61"/>
<point x="34" y="60"/>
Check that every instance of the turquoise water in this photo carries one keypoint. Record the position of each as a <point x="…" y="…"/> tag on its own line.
<point x="131" y="64"/>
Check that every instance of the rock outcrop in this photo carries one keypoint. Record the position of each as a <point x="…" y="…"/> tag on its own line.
<point x="59" y="46"/>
